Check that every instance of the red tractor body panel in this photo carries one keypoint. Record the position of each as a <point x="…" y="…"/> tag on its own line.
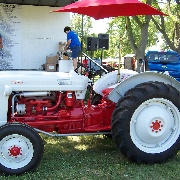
<point x="62" y="113"/>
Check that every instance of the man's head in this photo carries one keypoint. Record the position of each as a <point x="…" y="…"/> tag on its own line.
<point x="67" y="28"/>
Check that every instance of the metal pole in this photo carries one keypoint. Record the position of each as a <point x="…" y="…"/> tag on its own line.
<point x="82" y="32"/>
<point x="120" y="42"/>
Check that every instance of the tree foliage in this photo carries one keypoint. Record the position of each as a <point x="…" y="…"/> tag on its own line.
<point x="135" y="34"/>
<point x="169" y="26"/>
<point x="132" y="34"/>
<point x="82" y="30"/>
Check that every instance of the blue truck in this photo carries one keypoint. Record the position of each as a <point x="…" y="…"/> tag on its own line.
<point x="164" y="61"/>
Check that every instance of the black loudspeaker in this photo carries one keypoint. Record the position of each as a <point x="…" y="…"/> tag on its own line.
<point x="103" y="41"/>
<point x="92" y="43"/>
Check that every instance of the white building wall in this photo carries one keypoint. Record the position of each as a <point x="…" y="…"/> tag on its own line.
<point x="29" y="34"/>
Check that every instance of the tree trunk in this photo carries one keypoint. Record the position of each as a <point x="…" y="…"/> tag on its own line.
<point x="139" y="49"/>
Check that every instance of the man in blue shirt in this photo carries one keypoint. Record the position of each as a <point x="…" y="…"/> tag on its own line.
<point x="73" y="43"/>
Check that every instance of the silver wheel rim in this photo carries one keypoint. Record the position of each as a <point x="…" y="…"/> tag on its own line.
<point x="155" y="125"/>
<point x="16" y="151"/>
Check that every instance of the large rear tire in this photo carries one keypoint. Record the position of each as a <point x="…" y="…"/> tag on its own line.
<point x="21" y="149"/>
<point x="146" y="123"/>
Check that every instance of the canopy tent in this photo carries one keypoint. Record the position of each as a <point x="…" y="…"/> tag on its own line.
<point x="51" y="3"/>
<point x="99" y="9"/>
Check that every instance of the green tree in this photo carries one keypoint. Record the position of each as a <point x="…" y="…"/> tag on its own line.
<point x="83" y="30"/>
<point x="132" y="34"/>
<point x="169" y="26"/>
<point x="135" y="34"/>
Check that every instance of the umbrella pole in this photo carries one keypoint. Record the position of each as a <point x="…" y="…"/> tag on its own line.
<point x="82" y="34"/>
<point x="120" y="53"/>
<point x="120" y="42"/>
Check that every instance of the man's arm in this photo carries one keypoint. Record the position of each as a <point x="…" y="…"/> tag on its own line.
<point x="67" y="44"/>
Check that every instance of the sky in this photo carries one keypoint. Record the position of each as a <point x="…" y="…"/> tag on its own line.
<point x="99" y="26"/>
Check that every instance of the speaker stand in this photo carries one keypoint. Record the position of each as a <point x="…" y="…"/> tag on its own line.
<point x="90" y="60"/>
<point x="101" y="58"/>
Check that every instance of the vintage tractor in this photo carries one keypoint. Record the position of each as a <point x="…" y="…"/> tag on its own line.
<point x="139" y="110"/>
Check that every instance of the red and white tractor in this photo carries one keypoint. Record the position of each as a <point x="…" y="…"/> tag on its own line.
<point x="140" y="110"/>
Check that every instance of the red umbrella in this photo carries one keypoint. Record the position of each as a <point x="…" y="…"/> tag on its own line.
<point x="99" y="9"/>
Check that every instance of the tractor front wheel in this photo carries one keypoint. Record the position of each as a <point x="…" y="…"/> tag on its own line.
<point x="21" y="149"/>
<point x="146" y="123"/>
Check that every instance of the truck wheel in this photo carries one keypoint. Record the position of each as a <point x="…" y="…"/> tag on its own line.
<point x="146" y="123"/>
<point x="21" y="149"/>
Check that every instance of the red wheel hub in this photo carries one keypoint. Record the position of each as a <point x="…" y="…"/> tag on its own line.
<point x="15" y="151"/>
<point x="156" y="126"/>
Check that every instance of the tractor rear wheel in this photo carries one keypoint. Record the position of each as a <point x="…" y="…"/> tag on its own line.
<point x="21" y="149"/>
<point x="146" y="123"/>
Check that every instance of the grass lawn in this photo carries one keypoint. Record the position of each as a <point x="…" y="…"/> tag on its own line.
<point x="93" y="158"/>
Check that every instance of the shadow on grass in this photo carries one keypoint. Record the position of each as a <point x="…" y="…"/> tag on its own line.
<point x="85" y="157"/>
<point x="91" y="149"/>
<point x="96" y="158"/>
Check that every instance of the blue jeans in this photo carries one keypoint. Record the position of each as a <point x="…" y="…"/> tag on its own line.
<point x="75" y="51"/>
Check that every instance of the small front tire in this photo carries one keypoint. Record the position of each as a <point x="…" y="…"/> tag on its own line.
<point x="21" y="149"/>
